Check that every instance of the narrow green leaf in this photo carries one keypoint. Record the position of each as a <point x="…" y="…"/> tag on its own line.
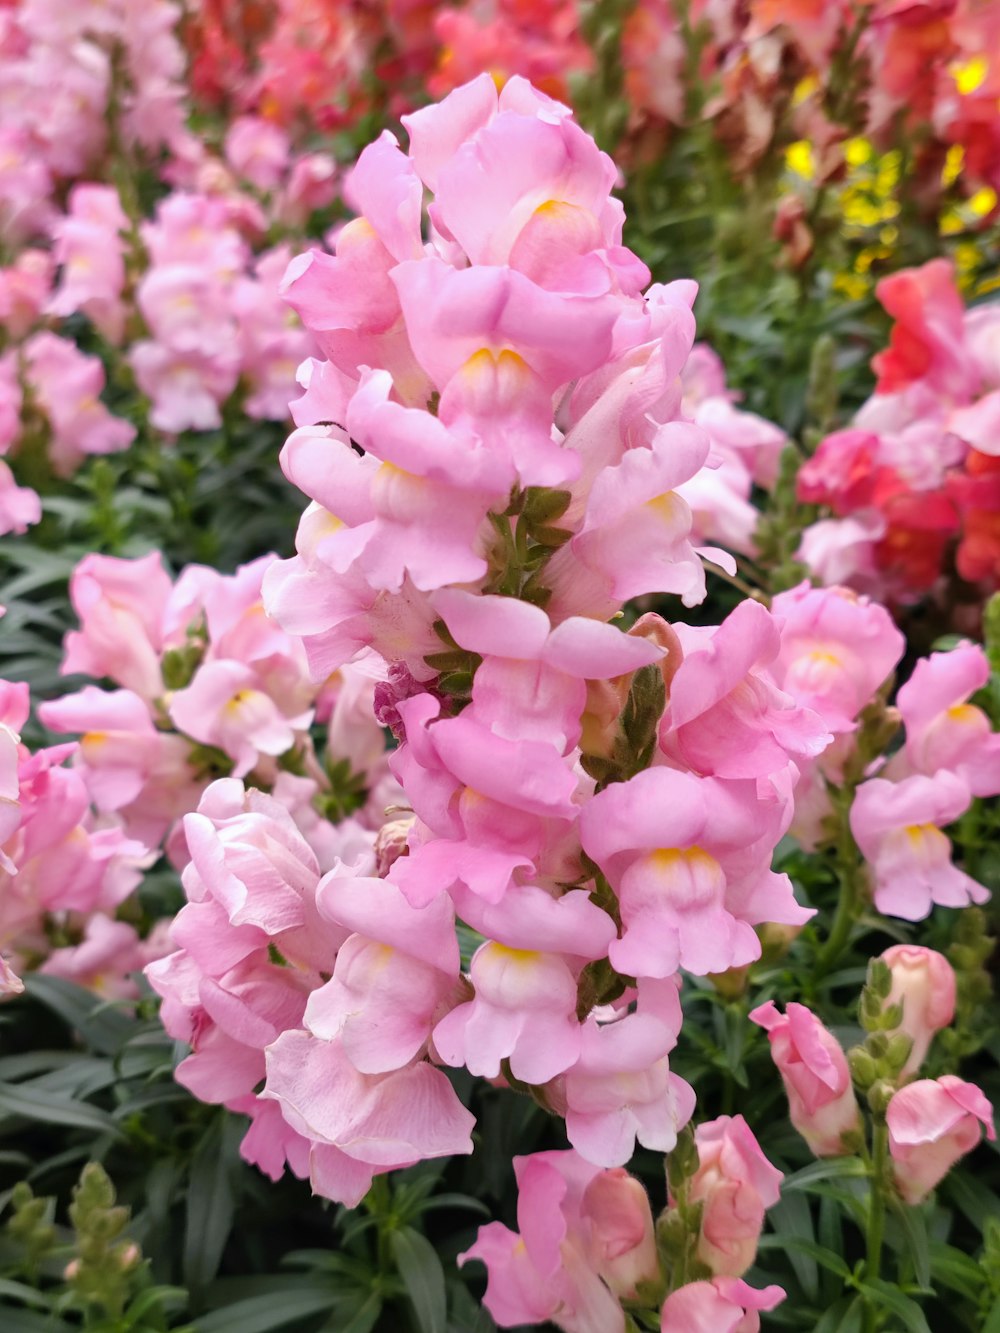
<point x="102" y="1026"/>
<point x="420" y="1269"/>
<point x="828" y="1169"/>
<point x="843" y="1317"/>
<point x="885" y="1294"/>
<point x="50" y="1110"/>
<point x="835" y="1263"/>
<point x="210" y="1202"/>
<point x="259" y="1314"/>
<point x="364" y="1318"/>
<point x="913" y="1226"/>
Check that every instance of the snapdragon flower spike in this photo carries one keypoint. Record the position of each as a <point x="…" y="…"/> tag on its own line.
<point x="897" y="826"/>
<point x="690" y="861"/>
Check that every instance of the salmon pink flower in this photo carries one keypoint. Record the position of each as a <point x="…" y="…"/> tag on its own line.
<point x="923" y="982"/>
<point x="734" y="1183"/>
<point x="723" y="1305"/>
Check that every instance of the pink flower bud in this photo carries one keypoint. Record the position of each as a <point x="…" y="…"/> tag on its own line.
<point x="932" y="1123"/>
<point x="622" y="1246"/>
<point x="735" y="1182"/>
<point x="815" y="1073"/>
<point x="923" y="982"/>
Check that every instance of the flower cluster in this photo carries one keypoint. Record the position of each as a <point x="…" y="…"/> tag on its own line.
<point x="208" y="686"/>
<point x="64" y="869"/>
<point x="914" y="483"/>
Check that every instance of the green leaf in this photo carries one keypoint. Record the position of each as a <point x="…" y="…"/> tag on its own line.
<point x="50" y="1110"/>
<point x="843" y="1317"/>
<point x="20" y="1292"/>
<point x="828" y="1169"/>
<point x="363" y="1319"/>
<point x="259" y="1314"/>
<point x="913" y="1226"/>
<point x="835" y="1263"/>
<point x="991" y="1324"/>
<point x="423" y="1277"/>
<point x="101" y="1026"/>
<point x="210" y="1201"/>
<point x="886" y="1295"/>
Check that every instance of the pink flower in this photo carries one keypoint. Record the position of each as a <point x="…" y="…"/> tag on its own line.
<point x="551" y="1270"/>
<point x="20" y="506"/>
<point x="378" y="1121"/>
<point x="923" y="982"/>
<point x="525" y="981"/>
<point x="897" y="826"/>
<point x="88" y="246"/>
<point x="486" y="800"/>
<point x="622" y="1088"/>
<point x="814" y="1070"/>
<point x="927" y="338"/>
<point x="257" y="150"/>
<point x="725" y="716"/>
<point x="723" y="1305"/>
<point x="689" y="859"/>
<point x="120" y="604"/>
<point x="836" y="650"/>
<point x="932" y="1123"/>
<point x="945" y="731"/>
<point x="735" y="1183"/>
<point x="68" y="385"/>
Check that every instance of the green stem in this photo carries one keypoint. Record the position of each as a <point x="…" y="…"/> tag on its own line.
<point x="876" y="1212"/>
<point x="847" y="876"/>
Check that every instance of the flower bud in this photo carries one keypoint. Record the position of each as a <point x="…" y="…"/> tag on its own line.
<point x="932" y="1123"/>
<point x="735" y="1182"/>
<point x="814" y="1070"/>
<point x="923" y="983"/>
<point x="622" y="1245"/>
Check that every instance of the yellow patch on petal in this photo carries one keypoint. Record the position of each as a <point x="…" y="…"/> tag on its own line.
<point x="970" y="74"/>
<point x="964" y="714"/>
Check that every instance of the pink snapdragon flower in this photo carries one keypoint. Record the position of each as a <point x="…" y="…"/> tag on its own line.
<point x="551" y="1270"/>
<point x="932" y="1123"/>
<point x="88" y="246"/>
<point x="723" y="1305"/>
<point x="487" y="802"/>
<point x="10" y="982"/>
<point x="622" y="1088"/>
<point x="689" y="859"/>
<point x="525" y="981"/>
<point x="897" y="826"/>
<point x="258" y="151"/>
<point x="923" y="982"/>
<point x="945" y="731"/>
<point x="735" y="1183"/>
<point x="20" y="506"/>
<point x="68" y="384"/>
<point x="836" y="650"/>
<point x="24" y="291"/>
<point x="814" y="1070"/>
<point x="725" y="717"/>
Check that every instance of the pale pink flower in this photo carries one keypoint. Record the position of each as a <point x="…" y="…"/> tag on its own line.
<point x="257" y="150"/>
<point x="897" y="826"/>
<point x="690" y="861"/>
<point x="836" y="650"/>
<point x="923" y="982"/>
<point x="550" y="1270"/>
<point x="945" y="731"/>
